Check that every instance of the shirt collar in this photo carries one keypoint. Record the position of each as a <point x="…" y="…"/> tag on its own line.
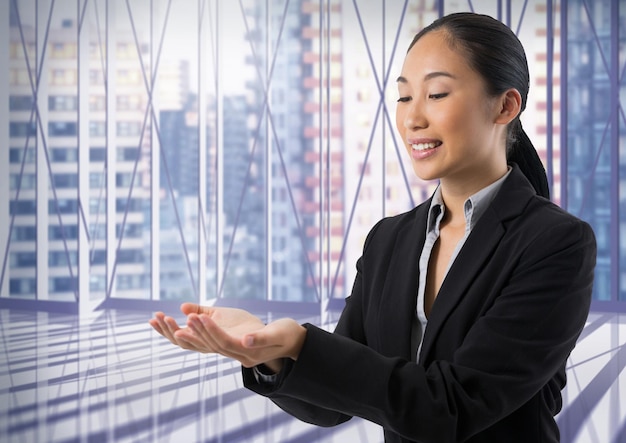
<point x="474" y="207"/>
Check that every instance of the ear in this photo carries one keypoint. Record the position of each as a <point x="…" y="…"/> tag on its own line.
<point x="509" y="106"/>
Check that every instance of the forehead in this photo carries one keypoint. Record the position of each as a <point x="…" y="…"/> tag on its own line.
<point x="433" y="52"/>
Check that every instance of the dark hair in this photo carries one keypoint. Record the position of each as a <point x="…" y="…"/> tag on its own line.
<point x="495" y="52"/>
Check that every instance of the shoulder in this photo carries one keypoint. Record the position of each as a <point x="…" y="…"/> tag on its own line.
<point x="390" y="228"/>
<point x="519" y="208"/>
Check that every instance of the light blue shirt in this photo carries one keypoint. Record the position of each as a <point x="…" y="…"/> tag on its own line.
<point x="474" y="208"/>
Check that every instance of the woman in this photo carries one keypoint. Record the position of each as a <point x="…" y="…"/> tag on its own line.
<point x="465" y="309"/>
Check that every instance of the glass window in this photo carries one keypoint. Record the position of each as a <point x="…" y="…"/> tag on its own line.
<point x="22" y="181"/>
<point x="98" y="257"/>
<point x="62" y="284"/>
<point x="65" y="181"/>
<point x="62" y="103"/>
<point x="64" y="155"/>
<point x="22" y="286"/>
<point x="16" y="155"/>
<point x="22" y="129"/>
<point x="62" y="129"/>
<point x="96" y="180"/>
<point x="23" y="233"/>
<point x="67" y="232"/>
<point x="97" y="154"/>
<point x="63" y="205"/>
<point x="97" y="129"/>
<point x="59" y="258"/>
<point x="22" y="207"/>
<point x="21" y="102"/>
<point x="23" y="259"/>
<point x="128" y="128"/>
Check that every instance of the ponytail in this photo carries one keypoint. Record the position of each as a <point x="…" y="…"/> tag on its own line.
<point x="523" y="153"/>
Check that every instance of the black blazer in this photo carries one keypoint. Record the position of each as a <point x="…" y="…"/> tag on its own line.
<point x="492" y="364"/>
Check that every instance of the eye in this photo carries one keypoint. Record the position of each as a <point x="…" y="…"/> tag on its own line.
<point x="437" y="96"/>
<point x="404" y="99"/>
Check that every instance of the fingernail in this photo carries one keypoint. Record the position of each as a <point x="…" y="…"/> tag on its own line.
<point x="249" y="340"/>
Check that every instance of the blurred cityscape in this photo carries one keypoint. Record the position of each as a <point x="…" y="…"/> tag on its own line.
<point x="242" y="151"/>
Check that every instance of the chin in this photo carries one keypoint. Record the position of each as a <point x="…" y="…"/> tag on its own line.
<point x="425" y="175"/>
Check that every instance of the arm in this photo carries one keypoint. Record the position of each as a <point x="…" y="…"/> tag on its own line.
<point x="509" y="354"/>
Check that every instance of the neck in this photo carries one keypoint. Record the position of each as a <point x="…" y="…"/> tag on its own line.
<point x="454" y="193"/>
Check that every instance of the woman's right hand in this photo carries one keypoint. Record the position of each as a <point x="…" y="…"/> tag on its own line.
<point x="233" y="333"/>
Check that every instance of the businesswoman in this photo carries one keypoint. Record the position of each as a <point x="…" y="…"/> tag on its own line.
<point x="464" y="309"/>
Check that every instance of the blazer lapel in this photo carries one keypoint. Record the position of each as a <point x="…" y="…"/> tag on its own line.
<point x="473" y="257"/>
<point x="397" y="308"/>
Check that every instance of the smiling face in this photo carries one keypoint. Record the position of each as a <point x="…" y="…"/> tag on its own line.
<point x="452" y="129"/>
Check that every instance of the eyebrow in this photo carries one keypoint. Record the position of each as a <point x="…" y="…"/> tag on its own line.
<point x="428" y="76"/>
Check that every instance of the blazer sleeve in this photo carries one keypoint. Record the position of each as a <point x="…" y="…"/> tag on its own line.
<point x="510" y="353"/>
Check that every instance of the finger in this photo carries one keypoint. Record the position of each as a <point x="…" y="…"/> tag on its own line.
<point x="190" y="308"/>
<point x="155" y="325"/>
<point x="185" y="341"/>
<point x="193" y="308"/>
<point x="169" y="326"/>
<point x="159" y="324"/>
<point x="214" y="338"/>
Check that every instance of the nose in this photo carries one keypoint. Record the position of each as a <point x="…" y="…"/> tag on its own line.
<point x="414" y="117"/>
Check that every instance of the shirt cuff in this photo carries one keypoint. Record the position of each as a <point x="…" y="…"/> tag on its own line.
<point x="262" y="374"/>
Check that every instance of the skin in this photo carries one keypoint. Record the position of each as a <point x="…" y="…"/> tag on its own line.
<point x="442" y="100"/>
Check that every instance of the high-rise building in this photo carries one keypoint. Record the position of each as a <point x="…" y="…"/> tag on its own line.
<point x="45" y="155"/>
<point x="298" y="137"/>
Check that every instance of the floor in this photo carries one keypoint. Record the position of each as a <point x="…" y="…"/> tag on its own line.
<point x="109" y="378"/>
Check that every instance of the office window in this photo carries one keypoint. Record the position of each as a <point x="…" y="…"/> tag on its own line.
<point x="22" y="129"/>
<point x="22" y="181"/>
<point x="21" y="102"/>
<point x="23" y="233"/>
<point x="22" y="207"/>
<point x="62" y="129"/>
<point x="22" y="287"/>
<point x="62" y="103"/>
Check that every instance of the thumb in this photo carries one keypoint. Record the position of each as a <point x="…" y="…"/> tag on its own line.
<point x="255" y="340"/>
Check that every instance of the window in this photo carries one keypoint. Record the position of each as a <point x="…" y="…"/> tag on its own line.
<point x="22" y="207"/>
<point x="126" y="256"/>
<point x="22" y="129"/>
<point x="23" y="259"/>
<point x="21" y="103"/>
<point x="97" y="103"/>
<point x="23" y="182"/>
<point x="23" y="233"/>
<point x="98" y="257"/>
<point x="97" y="154"/>
<point x="62" y="284"/>
<point x="65" y="181"/>
<point x="97" y="129"/>
<point x="67" y="232"/>
<point x="64" y="155"/>
<point x="22" y="286"/>
<point x="16" y="154"/>
<point x="128" y="129"/>
<point x="62" y="129"/>
<point x="64" y="206"/>
<point x="62" y="103"/>
<point x="59" y="258"/>
<point x="96" y="180"/>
